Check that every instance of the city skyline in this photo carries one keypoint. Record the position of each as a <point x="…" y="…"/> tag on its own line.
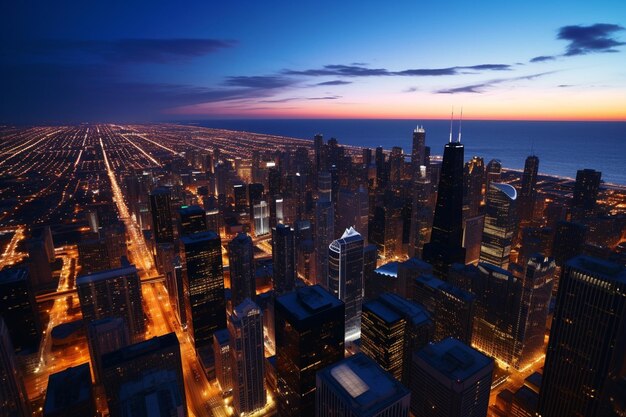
<point x="131" y="62"/>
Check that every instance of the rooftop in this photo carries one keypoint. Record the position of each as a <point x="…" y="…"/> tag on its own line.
<point x="507" y="189"/>
<point x="199" y="237"/>
<point x="68" y="387"/>
<point x="15" y="274"/>
<point x="607" y="270"/>
<point x="389" y="269"/>
<point x="147" y="347"/>
<point x="110" y="273"/>
<point x="391" y="308"/>
<point x="435" y="283"/>
<point x="305" y="302"/>
<point x="365" y="385"/>
<point x="454" y="359"/>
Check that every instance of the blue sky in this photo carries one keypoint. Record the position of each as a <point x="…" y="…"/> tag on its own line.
<point x="75" y="61"/>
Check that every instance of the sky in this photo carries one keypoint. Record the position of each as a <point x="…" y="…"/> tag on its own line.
<point x="135" y="61"/>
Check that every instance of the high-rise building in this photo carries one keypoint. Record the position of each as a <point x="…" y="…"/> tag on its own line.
<point x="240" y="193"/>
<point x="192" y="219"/>
<point x="223" y="360"/>
<point x="494" y="172"/>
<point x="586" y="191"/>
<point x="94" y="255"/>
<point x="161" y="209"/>
<point x="421" y="213"/>
<point x="450" y="379"/>
<point x="242" y="272"/>
<point x="445" y="246"/>
<point x="345" y="277"/>
<point x="569" y="240"/>
<point x="392" y="328"/>
<point x="396" y="163"/>
<point x="528" y="193"/>
<point x="382" y="173"/>
<point x="13" y="395"/>
<point x="104" y="336"/>
<point x="587" y="347"/>
<point x="353" y="210"/>
<point x="537" y="292"/>
<point x="203" y="283"/>
<point x="284" y="258"/>
<point x="261" y="217"/>
<point x="452" y="309"/>
<point x="472" y="238"/>
<point x="19" y="310"/>
<point x="324" y="232"/>
<point x="246" y="347"/>
<point x="310" y="329"/>
<point x="418" y="151"/>
<point x="497" y="321"/>
<point x="69" y="393"/>
<point x="474" y="180"/>
<point x="145" y="379"/>
<point x="358" y="387"/>
<point x="113" y="293"/>
<point x="500" y="225"/>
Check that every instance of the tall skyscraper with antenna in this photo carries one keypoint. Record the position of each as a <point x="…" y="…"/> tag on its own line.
<point x="528" y="193"/>
<point x="445" y="246"/>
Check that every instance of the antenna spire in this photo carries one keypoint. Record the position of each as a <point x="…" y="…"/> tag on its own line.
<point x="451" y="118"/>
<point x="460" y="124"/>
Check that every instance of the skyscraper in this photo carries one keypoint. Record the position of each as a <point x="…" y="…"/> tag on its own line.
<point x="310" y="329"/>
<point x="494" y="172"/>
<point x="392" y="328"/>
<point x="203" y="281"/>
<point x="143" y="375"/>
<point x="587" y="347"/>
<point x="223" y="360"/>
<point x="445" y="246"/>
<point x="474" y="180"/>
<point x="418" y="151"/>
<point x="324" y="232"/>
<point x="241" y="264"/>
<point x="537" y="292"/>
<point x="500" y="225"/>
<point x="160" y="207"/>
<point x="450" y="379"/>
<point x="396" y="163"/>
<point x="246" y="347"/>
<point x="586" y="191"/>
<point x="113" y="293"/>
<point x="192" y="219"/>
<point x="284" y="257"/>
<point x="528" y="193"/>
<point x="569" y="240"/>
<point x="345" y="277"/>
<point x="13" y="395"/>
<point x="421" y="213"/>
<point x="69" y="393"/>
<point x="18" y="308"/>
<point x="104" y="336"/>
<point x="358" y="387"/>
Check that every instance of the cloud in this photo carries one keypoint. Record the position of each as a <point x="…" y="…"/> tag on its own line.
<point x="355" y="70"/>
<point x="481" y="87"/>
<point x="410" y="90"/>
<point x="124" y="50"/>
<point x="564" y="85"/>
<point x="588" y="39"/>
<point x="324" y="98"/>
<point x="260" y="81"/>
<point x="334" y="82"/>
<point x="542" y="58"/>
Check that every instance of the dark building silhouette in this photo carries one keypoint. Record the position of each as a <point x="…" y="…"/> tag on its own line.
<point x="149" y="369"/>
<point x="192" y="219"/>
<point x="358" y="387"/>
<point x="452" y="309"/>
<point x="284" y="257"/>
<point x="474" y="180"/>
<point x="569" y="241"/>
<point x="242" y="270"/>
<point x="13" y="395"/>
<point x="113" y="293"/>
<point x="19" y="310"/>
<point x="494" y="172"/>
<point x="418" y="151"/>
<point x="160" y="207"/>
<point x="421" y="213"/>
<point x="445" y="246"/>
<point x="310" y="329"/>
<point x="528" y="192"/>
<point x="392" y="328"/>
<point x="69" y="393"/>
<point x="450" y="379"/>
<point x="204" y="283"/>
<point x="104" y="336"/>
<point x="586" y="192"/>
<point x="587" y="347"/>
